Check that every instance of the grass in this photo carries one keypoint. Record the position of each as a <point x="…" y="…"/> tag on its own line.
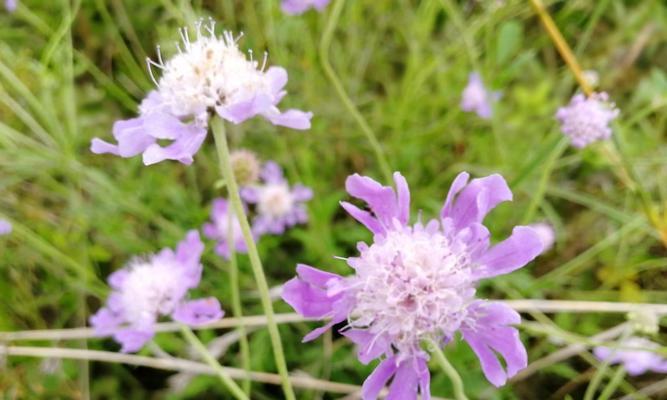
<point x="69" y="69"/>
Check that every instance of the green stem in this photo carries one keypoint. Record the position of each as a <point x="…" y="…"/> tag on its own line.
<point x="448" y="368"/>
<point x="236" y="299"/>
<point x="613" y="384"/>
<point x="218" y="128"/>
<point x="460" y="23"/>
<point x="213" y="363"/>
<point x="325" y="44"/>
<point x="556" y="152"/>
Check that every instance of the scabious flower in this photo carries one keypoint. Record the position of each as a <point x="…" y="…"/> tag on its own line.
<point x="637" y="355"/>
<point x="5" y="227"/>
<point x="586" y="119"/>
<point x="417" y="282"/>
<point x="208" y="75"/>
<point x="152" y="287"/>
<point x="476" y="98"/>
<point x="297" y="7"/>
<point x="546" y="233"/>
<point x="219" y="229"/>
<point x="278" y="206"/>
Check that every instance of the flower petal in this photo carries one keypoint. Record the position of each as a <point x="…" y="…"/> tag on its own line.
<point x="476" y="199"/>
<point x="488" y="332"/>
<point x="511" y="254"/>
<point x="132" y="340"/>
<point x="198" y="312"/>
<point x="378" y="379"/>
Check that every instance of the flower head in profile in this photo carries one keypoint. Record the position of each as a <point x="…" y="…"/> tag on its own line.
<point x="209" y="75"/>
<point x="636" y="354"/>
<point x="156" y="286"/>
<point x="10" y="5"/>
<point x="476" y="98"/>
<point x="5" y="227"/>
<point x="298" y="7"/>
<point x="219" y="229"/>
<point x="417" y="282"/>
<point x="277" y="205"/>
<point x="586" y="119"/>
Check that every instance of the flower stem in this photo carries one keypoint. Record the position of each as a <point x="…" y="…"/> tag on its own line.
<point x="218" y="128"/>
<point x="213" y="363"/>
<point x="340" y="90"/>
<point x="236" y="299"/>
<point x="447" y="368"/>
<point x="561" y="45"/>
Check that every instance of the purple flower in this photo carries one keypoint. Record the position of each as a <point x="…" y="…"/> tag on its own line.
<point x="156" y="286"/>
<point x="5" y="227"/>
<point x="297" y="7"/>
<point x="10" y="5"/>
<point x="546" y="233"/>
<point x="476" y="98"/>
<point x="209" y="75"/>
<point x="637" y="356"/>
<point x="417" y="282"/>
<point x="586" y="119"/>
<point x="218" y="229"/>
<point x="278" y="206"/>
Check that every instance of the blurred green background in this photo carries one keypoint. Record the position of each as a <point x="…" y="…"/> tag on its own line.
<point x="69" y="69"/>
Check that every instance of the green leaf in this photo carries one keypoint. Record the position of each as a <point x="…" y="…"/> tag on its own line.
<point x="509" y="40"/>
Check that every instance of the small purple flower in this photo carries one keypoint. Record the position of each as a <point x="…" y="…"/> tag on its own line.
<point x="476" y="98"/>
<point x="278" y="206"/>
<point x="586" y="119"/>
<point x="218" y="229"/>
<point x="5" y="227"/>
<point x="149" y="288"/>
<point x="208" y="75"/>
<point x="417" y="282"/>
<point x="10" y="5"/>
<point x="297" y="7"/>
<point x="546" y="233"/>
<point x="637" y="355"/>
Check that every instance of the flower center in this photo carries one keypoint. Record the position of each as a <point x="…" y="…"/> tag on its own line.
<point x="410" y="285"/>
<point x="275" y="200"/>
<point x="150" y="289"/>
<point x="210" y="71"/>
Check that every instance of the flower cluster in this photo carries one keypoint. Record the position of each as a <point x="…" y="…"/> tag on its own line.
<point x="476" y="98"/>
<point x="277" y="207"/>
<point x="297" y="7"/>
<point x="636" y="354"/>
<point x="5" y="227"/>
<point x="417" y="282"/>
<point x="148" y="288"/>
<point x="10" y="5"/>
<point x="208" y="75"/>
<point x="586" y="119"/>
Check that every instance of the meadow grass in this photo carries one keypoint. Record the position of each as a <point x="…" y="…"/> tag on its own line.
<point x="69" y="69"/>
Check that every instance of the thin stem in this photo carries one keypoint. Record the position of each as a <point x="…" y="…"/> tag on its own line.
<point x="213" y="363"/>
<point x="549" y="165"/>
<point x="173" y="364"/>
<point x="325" y="44"/>
<point x="220" y="137"/>
<point x="613" y="384"/>
<point x="236" y="298"/>
<point x="459" y="22"/>
<point x="561" y="45"/>
<point x="448" y="368"/>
